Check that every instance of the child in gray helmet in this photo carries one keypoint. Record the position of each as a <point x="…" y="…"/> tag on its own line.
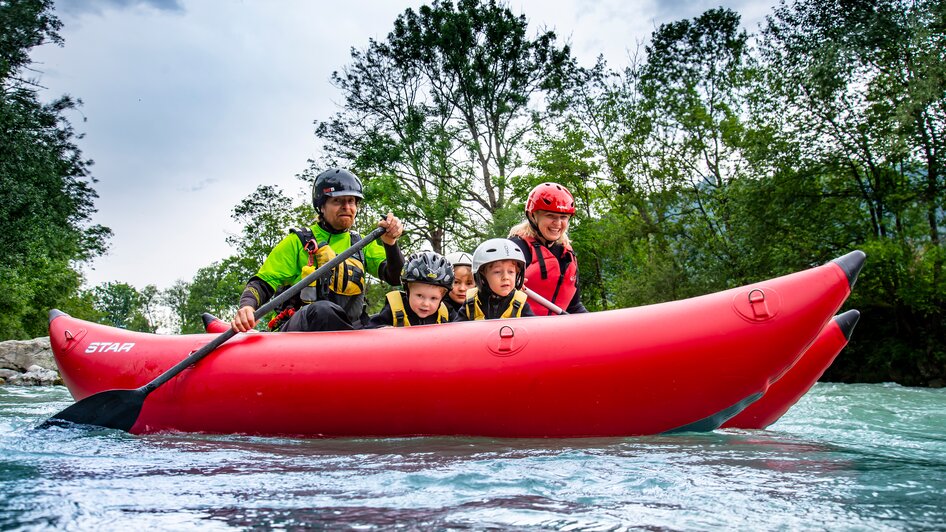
<point x="425" y="280"/>
<point x="498" y="266"/>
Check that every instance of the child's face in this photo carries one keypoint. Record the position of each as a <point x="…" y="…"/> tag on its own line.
<point x="462" y="281"/>
<point x="501" y="276"/>
<point x="425" y="298"/>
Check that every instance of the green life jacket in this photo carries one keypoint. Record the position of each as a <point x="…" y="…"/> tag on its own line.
<point x="345" y="286"/>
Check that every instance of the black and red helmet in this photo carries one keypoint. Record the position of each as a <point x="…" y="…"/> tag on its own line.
<point x="335" y="182"/>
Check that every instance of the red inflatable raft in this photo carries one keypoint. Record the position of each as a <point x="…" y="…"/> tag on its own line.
<point x="686" y="365"/>
<point x="780" y="396"/>
<point x="789" y="388"/>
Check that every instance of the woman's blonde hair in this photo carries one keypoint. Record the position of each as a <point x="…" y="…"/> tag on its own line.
<point x="524" y="229"/>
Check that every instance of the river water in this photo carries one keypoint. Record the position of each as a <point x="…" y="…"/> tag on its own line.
<point x="846" y="457"/>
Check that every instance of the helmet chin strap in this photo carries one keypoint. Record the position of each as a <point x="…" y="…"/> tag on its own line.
<point x="482" y="285"/>
<point x="535" y="228"/>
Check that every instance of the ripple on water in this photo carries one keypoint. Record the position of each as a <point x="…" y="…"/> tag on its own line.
<point x="846" y="457"/>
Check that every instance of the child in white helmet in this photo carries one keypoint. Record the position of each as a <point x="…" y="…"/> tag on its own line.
<point x="498" y="266"/>
<point x="462" y="280"/>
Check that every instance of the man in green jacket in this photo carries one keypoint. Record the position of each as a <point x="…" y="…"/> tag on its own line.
<point x="338" y="301"/>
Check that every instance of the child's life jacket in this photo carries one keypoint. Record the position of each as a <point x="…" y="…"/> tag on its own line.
<point x="399" y="311"/>
<point x="474" y="309"/>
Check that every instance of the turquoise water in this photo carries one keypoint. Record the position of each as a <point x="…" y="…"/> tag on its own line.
<point x="846" y="457"/>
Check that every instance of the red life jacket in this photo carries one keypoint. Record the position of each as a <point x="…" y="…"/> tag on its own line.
<point x="545" y="277"/>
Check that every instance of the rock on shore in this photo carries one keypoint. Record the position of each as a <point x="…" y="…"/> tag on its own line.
<point x="28" y="363"/>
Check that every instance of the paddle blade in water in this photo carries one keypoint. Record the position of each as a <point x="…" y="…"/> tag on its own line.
<point x="112" y="409"/>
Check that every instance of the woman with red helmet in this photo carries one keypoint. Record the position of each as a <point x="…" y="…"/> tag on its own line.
<point x="551" y="264"/>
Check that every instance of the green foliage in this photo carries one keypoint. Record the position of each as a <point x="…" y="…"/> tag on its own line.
<point x="121" y="305"/>
<point x="215" y="289"/>
<point x="902" y="333"/>
<point x="265" y="217"/>
<point x="859" y="92"/>
<point x="46" y="194"/>
<point x="435" y="117"/>
<point x="713" y="160"/>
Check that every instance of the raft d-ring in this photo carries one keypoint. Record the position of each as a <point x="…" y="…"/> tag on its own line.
<point x="757" y="304"/>
<point x="507" y="340"/>
<point x="72" y="339"/>
<point x="760" y="310"/>
<point x="506" y="336"/>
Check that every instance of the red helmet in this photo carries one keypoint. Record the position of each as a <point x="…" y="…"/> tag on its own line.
<point x="550" y="197"/>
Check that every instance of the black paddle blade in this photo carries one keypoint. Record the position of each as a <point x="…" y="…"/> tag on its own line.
<point x="112" y="409"/>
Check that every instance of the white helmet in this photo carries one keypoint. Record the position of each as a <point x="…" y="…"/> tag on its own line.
<point x="460" y="258"/>
<point x="497" y="249"/>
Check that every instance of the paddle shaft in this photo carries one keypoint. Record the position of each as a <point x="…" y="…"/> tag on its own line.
<point x="263" y="310"/>
<point x="544" y="302"/>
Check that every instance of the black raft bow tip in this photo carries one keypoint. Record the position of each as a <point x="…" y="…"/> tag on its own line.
<point x="851" y="264"/>
<point x="846" y="322"/>
<point x="207" y="318"/>
<point x="55" y="313"/>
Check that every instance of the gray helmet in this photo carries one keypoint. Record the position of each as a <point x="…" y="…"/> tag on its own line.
<point x="427" y="267"/>
<point x="335" y="182"/>
<point x="498" y="249"/>
<point x="460" y="258"/>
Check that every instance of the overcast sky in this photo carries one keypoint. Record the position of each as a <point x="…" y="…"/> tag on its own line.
<point x="190" y="105"/>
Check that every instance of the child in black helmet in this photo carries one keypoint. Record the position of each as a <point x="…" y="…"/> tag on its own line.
<point x="425" y="279"/>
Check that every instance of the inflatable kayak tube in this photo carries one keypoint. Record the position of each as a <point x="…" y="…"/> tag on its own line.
<point x="796" y="382"/>
<point x="780" y="396"/>
<point x="678" y="366"/>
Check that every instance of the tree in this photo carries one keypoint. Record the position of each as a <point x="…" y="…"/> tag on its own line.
<point x="392" y="135"/>
<point x="215" y="289"/>
<point x="696" y="81"/>
<point x="121" y="305"/>
<point x="265" y="217"/>
<point x="860" y="87"/>
<point x="46" y="194"/>
<point x="863" y="84"/>
<point x="175" y="298"/>
<point x="651" y="154"/>
<point x="436" y="117"/>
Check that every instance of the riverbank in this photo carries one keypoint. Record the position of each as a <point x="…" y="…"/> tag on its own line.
<point x="28" y="363"/>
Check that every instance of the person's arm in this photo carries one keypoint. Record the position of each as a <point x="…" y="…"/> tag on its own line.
<point x="255" y="295"/>
<point x="575" y="306"/>
<point x="280" y="267"/>
<point x="382" y="319"/>
<point x="387" y="264"/>
<point x="390" y="270"/>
